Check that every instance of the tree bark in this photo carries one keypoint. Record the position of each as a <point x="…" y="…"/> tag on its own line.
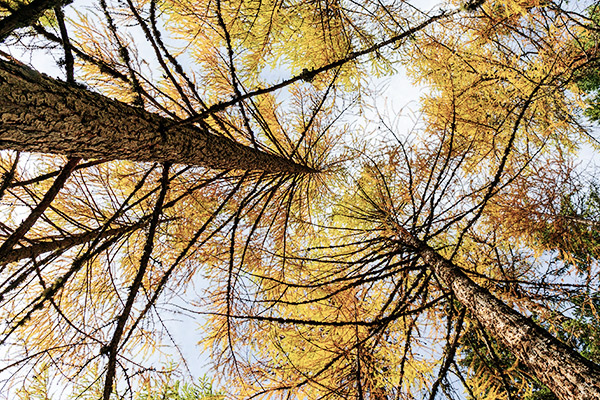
<point x="52" y="244"/>
<point x="44" y="115"/>
<point x="27" y="15"/>
<point x="560" y="368"/>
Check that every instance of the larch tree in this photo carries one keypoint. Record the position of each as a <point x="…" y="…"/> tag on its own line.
<point x="332" y="271"/>
<point x="435" y="235"/>
<point x="102" y="240"/>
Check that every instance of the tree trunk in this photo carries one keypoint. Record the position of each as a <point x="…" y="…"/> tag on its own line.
<point x="45" y="115"/>
<point x="560" y="368"/>
<point x="26" y="15"/>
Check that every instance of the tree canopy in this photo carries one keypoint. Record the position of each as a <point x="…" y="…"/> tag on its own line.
<point x="221" y="162"/>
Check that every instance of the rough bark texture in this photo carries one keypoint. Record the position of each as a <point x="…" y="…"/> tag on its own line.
<point x="564" y="371"/>
<point x="45" y="115"/>
<point x="27" y="15"/>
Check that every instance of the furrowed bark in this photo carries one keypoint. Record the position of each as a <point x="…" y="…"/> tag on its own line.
<point x="563" y="370"/>
<point x="45" y="115"/>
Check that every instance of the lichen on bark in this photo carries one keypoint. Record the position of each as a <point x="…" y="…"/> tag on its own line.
<point x="44" y="115"/>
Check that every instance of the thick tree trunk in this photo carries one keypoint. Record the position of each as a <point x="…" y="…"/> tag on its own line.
<point x="563" y="370"/>
<point x="27" y="15"/>
<point x="45" y="115"/>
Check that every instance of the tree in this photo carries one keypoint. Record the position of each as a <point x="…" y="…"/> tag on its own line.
<point x="587" y="77"/>
<point x="331" y="263"/>
<point x="380" y="271"/>
<point x="166" y="387"/>
<point x="488" y="133"/>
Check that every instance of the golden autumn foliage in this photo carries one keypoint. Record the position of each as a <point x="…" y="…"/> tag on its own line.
<point x="303" y="285"/>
